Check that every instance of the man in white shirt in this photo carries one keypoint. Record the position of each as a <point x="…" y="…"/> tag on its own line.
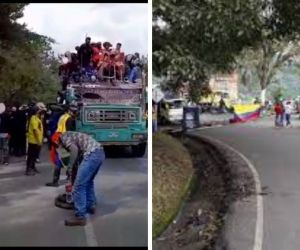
<point x="288" y="107"/>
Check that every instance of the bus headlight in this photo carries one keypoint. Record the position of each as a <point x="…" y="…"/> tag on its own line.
<point x="132" y="116"/>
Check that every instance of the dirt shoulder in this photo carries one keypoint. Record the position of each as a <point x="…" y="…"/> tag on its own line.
<point x="221" y="179"/>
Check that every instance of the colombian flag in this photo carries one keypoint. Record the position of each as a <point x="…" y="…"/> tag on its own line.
<point x="53" y="153"/>
<point x="245" y="112"/>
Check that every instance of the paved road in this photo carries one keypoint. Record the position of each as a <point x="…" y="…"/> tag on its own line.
<point x="276" y="155"/>
<point x="29" y="218"/>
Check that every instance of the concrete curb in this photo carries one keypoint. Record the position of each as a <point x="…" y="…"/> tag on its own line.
<point x="240" y="228"/>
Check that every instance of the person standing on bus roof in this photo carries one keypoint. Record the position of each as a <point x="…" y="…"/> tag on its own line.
<point x="85" y="53"/>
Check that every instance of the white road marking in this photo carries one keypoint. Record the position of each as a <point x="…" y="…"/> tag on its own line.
<point x="90" y="234"/>
<point x="258" y="240"/>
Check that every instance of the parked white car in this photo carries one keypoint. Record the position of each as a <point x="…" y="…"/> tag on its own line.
<point x="172" y="110"/>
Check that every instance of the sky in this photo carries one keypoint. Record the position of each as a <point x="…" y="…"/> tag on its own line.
<point x="68" y="24"/>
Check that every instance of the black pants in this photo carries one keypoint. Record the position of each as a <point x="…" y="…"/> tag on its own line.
<point x="32" y="155"/>
<point x="20" y="147"/>
<point x="4" y="148"/>
<point x="12" y="145"/>
<point x="38" y="153"/>
<point x="56" y="175"/>
<point x="57" y="171"/>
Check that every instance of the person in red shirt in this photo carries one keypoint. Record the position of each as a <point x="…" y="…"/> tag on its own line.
<point x="279" y="112"/>
<point x="97" y="50"/>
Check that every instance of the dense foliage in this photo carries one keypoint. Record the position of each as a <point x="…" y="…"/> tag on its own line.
<point x="28" y="67"/>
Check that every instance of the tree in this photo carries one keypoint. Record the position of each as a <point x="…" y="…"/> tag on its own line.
<point x="190" y="36"/>
<point x="11" y="32"/>
<point x="24" y="77"/>
<point x="193" y="39"/>
<point x="266" y="60"/>
<point x="28" y="68"/>
<point x="279" y="42"/>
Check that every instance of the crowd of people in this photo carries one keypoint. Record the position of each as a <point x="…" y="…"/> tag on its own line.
<point x="16" y="128"/>
<point x="13" y="127"/>
<point x="97" y="61"/>
<point x="283" y="112"/>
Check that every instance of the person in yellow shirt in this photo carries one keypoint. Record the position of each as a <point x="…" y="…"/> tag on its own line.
<point x="35" y="140"/>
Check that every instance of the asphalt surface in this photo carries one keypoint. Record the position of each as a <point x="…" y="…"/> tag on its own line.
<point x="275" y="153"/>
<point x="29" y="218"/>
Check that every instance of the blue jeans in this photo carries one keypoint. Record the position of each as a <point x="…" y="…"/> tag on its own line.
<point x="288" y="119"/>
<point x="133" y="74"/>
<point x="84" y="193"/>
<point x="154" y="126"/>
<point x="282" y="120"/>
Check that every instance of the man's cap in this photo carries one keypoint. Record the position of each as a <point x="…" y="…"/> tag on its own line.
<point x="23" y="107"/>
<point x="41" y="106"/>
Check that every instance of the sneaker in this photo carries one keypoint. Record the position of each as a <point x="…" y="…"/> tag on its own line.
<point x="37" y="160"/>
<point x="52" y="184"/>
<point x="5" y="163"/>
<point x="75" y="221"/>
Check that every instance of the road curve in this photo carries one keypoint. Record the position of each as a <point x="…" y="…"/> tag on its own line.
<point x="276" y="155"/>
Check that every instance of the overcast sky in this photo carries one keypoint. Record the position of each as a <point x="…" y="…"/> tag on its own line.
<point x="68" y="24"/>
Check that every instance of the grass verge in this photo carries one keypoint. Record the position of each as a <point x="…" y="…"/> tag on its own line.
<point x="172" y="180"/>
